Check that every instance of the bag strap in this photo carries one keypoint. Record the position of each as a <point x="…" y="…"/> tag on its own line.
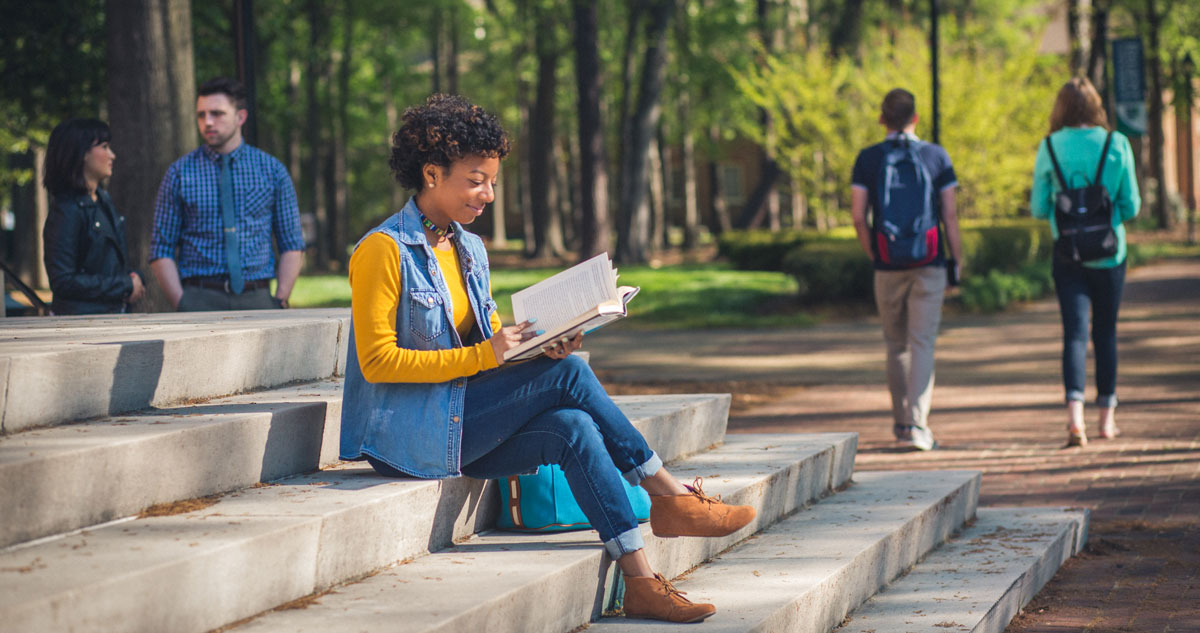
<point x="1054" y="160"/>
<point x="1103" y="155"/>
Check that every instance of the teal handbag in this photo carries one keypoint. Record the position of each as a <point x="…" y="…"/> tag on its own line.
<point x="542" y="502"/>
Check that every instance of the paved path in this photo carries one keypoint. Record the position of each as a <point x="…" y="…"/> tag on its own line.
<point x="998" y="408"/>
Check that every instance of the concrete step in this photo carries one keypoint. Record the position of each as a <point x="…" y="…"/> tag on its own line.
<point x="265" y="546"/>
<point x="61" y="369"/>
<point x="58" y="479"/>
<point x="503" y="582"/>
<point x="979" y="580"/>
<point x="61" y="478"/>
<point x="806" y="573"/>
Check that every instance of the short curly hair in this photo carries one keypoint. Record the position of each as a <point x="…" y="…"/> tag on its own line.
<point x="445" y="129"/>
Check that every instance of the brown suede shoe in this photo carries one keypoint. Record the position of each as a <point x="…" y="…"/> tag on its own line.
<point x="696" y="514"/>
<point x="656" y="598"/>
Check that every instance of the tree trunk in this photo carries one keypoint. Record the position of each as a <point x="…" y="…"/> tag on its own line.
<point x="293" y="134"/>
<point x="392" y="113"/>
<point x="560" y="198"/>
<point x="499" y="206"/>
<point x="568" y="186"/>
<point x="435" y="47"/>
<point x="593" y="169"/>
<point x="666" y="163"/>
<point x="847" y="30"/>
<point x="719" y="206"/>
<point x="1097" y="68"/>
<point x="541" y="145"/>
<point x="341" y="195"/>
<point x="634" y="230"/>
<point x="524" y="177"/>
<point x="658" y="198"/>
<point x="29" y="206"/>
<point x="1075" y="32"/>
<point x="152" y="109"/>
<point x="1161" y="209"/>
<point x="316" y="144"/>
<point x="691" y="206"/>
<point x="765" y="199"/>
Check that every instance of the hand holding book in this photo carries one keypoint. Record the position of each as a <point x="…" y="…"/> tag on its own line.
<point x="572" y="302"/>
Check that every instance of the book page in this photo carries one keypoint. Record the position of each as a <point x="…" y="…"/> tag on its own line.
<point x="566" y="295"/>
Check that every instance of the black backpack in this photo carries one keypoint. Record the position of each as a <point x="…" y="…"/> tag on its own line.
<point x="905" y="222"/>
<point x="1084" y="216"/>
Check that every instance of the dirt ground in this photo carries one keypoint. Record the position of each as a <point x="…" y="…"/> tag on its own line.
<point x="997" y="408"/>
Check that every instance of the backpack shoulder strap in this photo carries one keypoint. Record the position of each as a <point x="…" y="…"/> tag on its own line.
<point x="1054" y="161"/>
<point x="1103" y="155"/>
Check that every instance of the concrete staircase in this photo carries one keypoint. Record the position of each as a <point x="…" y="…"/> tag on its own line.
<point x="185" y="505"/>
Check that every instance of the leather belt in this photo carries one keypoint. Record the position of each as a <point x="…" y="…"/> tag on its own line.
<point x="222" y="284"/>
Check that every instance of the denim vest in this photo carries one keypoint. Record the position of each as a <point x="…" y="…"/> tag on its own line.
<point x="417" y="427"/>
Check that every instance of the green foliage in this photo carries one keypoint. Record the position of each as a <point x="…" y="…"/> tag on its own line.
<point x="759" y="250"/>
<point x="1006" y="246"/>
<point x="691" y="296"/>
<point x="833" y="270"/>
<point x="997" y="289"/>
<point x="996" y="95"/>
<point x="51" y="69"/>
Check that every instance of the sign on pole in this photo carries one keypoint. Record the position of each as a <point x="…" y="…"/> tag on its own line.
<point x="1129" y="85"/>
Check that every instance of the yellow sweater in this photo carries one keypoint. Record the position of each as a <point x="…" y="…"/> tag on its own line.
<point x="374" y="297"/>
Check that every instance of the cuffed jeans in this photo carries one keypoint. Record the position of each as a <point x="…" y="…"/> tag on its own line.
<point x="548" y="411"/>
<point x="1080" y="288"/>
<point x="910" y="307"/>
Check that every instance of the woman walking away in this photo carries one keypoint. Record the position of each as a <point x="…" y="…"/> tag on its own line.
<point x="1085" y="184"/>
<point x="428" y="393"/>
<point x="84" y="235"/>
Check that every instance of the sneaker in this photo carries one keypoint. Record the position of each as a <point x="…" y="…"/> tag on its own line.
<point x="922" y="438"/>
<point x="656" y="598"/>
<point x="902" y="432"/>
<point x="696" y="514"/>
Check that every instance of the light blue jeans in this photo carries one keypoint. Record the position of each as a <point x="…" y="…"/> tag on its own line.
<point x="547" y="411"/>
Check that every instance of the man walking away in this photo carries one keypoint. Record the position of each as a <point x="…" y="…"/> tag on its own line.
<point x="217" y="211"/>
<point x="909" y="186"/>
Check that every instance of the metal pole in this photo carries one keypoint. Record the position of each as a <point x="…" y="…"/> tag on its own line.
<point x="933" y="62"/>
<point x="1189" y="139"/>
<point x="243" y="37"/>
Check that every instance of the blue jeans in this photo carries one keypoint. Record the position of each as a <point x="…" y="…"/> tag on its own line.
<point x="1080" y="288"/>
<point x="548" y="411"/>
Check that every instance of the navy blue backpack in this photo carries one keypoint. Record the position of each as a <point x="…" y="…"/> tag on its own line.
<point x="905" y="222"/>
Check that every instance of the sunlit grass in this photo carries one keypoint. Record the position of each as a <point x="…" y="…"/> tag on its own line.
<point x="685" y="296"/>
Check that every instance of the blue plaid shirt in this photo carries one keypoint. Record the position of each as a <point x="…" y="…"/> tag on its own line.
<point x="187" y="215"/>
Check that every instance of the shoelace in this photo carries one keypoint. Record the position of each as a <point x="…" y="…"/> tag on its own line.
<point x="671" y="590"/>
<point x="699" y="492"/>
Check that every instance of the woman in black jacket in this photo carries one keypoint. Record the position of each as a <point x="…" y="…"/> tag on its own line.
<point x="85" y="256"/>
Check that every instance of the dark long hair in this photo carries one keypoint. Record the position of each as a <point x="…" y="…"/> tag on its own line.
<point x="70" y="141"/>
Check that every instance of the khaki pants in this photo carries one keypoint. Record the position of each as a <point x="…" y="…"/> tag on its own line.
<point x="910" y="306"/>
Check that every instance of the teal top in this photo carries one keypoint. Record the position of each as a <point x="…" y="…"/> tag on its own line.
<point x="1078" y="153"/>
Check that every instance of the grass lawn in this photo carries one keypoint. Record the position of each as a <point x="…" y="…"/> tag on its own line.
<point x="681" y="296"/>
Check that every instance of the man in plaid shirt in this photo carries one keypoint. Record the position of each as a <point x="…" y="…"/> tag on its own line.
<point x="217" y="211"/>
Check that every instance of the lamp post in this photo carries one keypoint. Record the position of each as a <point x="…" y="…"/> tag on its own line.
<point x="933" y="66"/>
<point x="1188" y="69"/>
<point x="244" y="45"/>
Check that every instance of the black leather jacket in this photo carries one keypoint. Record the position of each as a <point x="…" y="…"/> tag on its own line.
<point x="86" y="257"/>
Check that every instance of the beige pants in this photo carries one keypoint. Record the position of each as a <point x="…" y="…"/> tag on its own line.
<point x="910" y="306"/>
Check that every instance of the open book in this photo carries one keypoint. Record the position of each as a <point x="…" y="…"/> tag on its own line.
<point x="579" y="299"/>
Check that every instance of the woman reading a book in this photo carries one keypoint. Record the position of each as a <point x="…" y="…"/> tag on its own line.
<point x="428" y="393"/>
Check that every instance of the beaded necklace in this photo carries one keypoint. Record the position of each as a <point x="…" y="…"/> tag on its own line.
<point x="440" y="232"/>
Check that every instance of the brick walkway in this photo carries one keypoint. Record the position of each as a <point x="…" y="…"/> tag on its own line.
<point x="998" y="408"/>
